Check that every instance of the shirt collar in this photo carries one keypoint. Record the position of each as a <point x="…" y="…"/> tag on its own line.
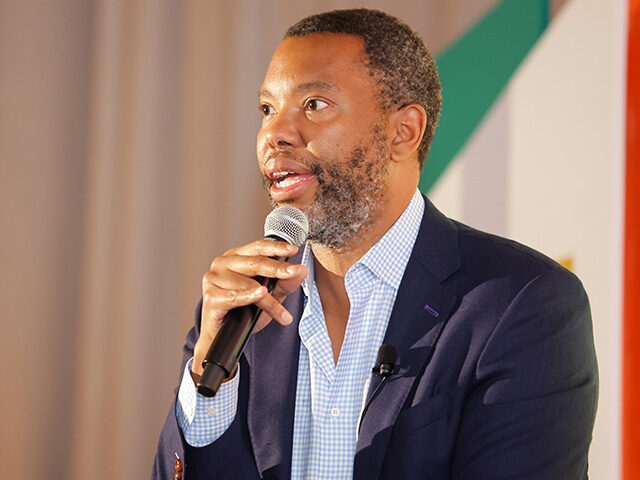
<point x="307" y="261"/>
<point x="388" y="258"/>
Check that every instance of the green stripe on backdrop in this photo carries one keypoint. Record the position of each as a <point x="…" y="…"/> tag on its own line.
<point x="473" y="72"/>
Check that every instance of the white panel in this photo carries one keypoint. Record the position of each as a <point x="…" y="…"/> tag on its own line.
<point x="446" y="194"/>
<point x="486" y="162"/>
<point x="565" y="178"/>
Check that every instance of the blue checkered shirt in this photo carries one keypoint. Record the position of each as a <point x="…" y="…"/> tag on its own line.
<point x="329" y="396"/>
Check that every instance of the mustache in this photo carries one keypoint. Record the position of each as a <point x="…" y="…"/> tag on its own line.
<point x="285" y="154"/>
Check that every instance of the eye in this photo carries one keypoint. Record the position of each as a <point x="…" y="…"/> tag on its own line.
<point x="315" y="104"/>
<point x="266" y="109"/>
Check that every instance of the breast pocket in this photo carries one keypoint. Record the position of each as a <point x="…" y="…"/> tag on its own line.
<point x="421" y="415"/>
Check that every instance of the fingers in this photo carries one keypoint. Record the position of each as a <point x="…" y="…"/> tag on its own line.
<point x="285" y="286"/>
<point x="290" y="277"/>
<point x="264" y="248"/>
<point x="237" y="267"/>
<point x="216" y="299"/>
<point x="228" y="280"/>
<point x="217" y="302"/>
<point x="275" y="309"/>
<point x="249" y="266"/>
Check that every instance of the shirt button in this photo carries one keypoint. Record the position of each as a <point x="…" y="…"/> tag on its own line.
<point x="335" y="411"/>
<point x="211" y="412"/>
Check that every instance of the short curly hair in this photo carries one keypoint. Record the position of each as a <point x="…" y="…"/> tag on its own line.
<point x="395" y="54"/>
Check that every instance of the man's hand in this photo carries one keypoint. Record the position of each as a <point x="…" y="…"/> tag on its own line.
<point x="229" y="284"/>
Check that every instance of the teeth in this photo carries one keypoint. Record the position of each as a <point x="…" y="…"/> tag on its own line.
<point x="288" y="182"/>
<point x="281" y="174"/>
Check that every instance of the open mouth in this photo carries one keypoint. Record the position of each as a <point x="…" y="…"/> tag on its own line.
<point x="287" y="179"/>
<point x="286" y="184"/>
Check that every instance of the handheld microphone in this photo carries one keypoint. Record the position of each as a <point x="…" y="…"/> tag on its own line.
<point x="283" y="224"/>
<point x="385" y="365"/>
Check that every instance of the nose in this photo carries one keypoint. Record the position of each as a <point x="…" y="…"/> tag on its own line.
<point x="281" y="130"/>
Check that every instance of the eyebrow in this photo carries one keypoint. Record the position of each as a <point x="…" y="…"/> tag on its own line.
<point x="320" y="85"/>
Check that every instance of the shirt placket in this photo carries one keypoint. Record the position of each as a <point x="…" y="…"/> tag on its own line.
<point x="359" y="285"/>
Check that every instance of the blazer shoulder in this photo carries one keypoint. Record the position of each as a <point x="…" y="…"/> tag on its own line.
<point x="492" y="249"/>
<point x="484" y="257"/>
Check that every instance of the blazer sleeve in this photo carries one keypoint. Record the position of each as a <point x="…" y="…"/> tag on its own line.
<point x="171" y="442"/>
<point x="530" y="411"/>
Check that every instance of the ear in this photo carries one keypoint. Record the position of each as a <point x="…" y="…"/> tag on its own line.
<point x="406" y="127"/>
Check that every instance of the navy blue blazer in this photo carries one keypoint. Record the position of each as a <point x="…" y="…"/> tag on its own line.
<point x="496" y="376"/>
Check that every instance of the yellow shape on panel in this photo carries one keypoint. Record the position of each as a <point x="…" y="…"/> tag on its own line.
<point x="566" y="262"/>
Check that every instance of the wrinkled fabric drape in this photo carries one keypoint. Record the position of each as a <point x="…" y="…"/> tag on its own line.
<point x="127" y="162"/>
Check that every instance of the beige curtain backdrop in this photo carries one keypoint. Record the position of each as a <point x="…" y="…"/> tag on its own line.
<point x="127" y="162"/>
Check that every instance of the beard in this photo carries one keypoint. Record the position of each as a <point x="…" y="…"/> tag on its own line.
<point x="350" y="192"/>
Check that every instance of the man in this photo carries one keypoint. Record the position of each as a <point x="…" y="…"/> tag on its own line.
<point x="496" y="374"/>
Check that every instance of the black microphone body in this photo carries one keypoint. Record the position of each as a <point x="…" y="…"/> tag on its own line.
<point x="283" y="224"/>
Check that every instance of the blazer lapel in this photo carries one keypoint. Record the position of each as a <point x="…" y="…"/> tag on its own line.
<point x="272" y="355"/>
<point x="421" y="309"/>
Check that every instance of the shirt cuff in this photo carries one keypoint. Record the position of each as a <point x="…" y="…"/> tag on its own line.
<point x="202" y="419"/>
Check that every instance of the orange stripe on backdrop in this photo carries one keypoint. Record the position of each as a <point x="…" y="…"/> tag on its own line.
<point x="631" y="329"/>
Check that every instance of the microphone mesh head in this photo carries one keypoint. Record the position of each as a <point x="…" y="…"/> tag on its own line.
<point x="288" y="224"/>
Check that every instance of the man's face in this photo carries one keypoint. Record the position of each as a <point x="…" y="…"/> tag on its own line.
<point x="322" y="145"/>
